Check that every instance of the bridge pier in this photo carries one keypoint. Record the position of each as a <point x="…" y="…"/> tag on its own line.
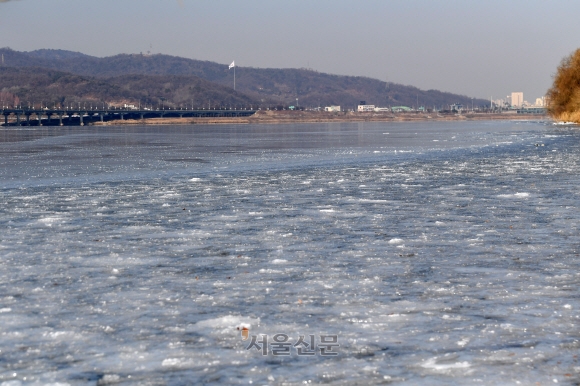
<point x="27" y="119"/>
<point x="39" y="116"/>
<point x="142" y="116"/>
<point x="102" y="117"/>
<point x="48" y="118"/>
<point x="6" y="119"/>
<point x="60" y="119"/>
<point x="81" y="119"/>
<point x="122" y="116"/>
<point x="17" y="119"/>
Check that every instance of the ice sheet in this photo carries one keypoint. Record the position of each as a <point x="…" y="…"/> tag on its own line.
<point x="139" y="255"/>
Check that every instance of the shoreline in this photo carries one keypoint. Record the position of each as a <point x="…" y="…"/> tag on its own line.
<point x="289" y="117"/>
<point x="306" y="117"/>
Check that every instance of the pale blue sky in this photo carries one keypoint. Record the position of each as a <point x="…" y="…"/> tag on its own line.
<point x="477" y="48"/>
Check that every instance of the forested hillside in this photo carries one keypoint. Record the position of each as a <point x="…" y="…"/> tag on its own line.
<point x="39" y="86"/>
<point x="264" y="86"/>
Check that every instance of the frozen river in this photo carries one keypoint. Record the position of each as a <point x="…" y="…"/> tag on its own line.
<point x="419" y="253"/>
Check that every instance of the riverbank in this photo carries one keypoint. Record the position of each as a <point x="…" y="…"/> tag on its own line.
<point x="280" y="117"/>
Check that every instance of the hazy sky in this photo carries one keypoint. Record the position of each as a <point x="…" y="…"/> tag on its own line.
<point x="478" y="48"/>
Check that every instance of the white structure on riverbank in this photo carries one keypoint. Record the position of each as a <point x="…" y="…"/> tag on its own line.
<point x="517" y="99"/>
<point x="366" y="108"/>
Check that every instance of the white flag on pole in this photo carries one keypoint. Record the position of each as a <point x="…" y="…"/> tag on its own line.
<point x="232" y="65"/>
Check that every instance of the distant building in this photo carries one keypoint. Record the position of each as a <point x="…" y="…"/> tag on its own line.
<point x="517" y="99"/>
<point x="398" y="109"/>
<point x="457" y="107"/>
<point x="332" y="108"/>
<point x="540" y="102"/>
<point x="365" y="108"/>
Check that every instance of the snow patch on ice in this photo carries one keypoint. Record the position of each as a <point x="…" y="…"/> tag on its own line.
<point x="433" y="365"/>
<point x="49" y="220"/>
<point x="178" y="362"/>
<point x="515" y="195"/>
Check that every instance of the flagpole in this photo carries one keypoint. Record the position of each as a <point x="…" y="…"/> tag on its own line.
<point x="229" y="68"/>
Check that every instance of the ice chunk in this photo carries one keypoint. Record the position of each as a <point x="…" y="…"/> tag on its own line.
<point x="443" y="367"/>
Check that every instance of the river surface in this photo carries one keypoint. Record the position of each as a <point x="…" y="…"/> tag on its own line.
<point x="419" y="253"/>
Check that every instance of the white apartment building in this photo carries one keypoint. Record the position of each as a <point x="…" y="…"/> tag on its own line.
<point x="332" y="108"/>
<point x="517" y="99"/>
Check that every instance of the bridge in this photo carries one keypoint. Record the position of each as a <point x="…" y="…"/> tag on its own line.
<point x="82" y="116"/>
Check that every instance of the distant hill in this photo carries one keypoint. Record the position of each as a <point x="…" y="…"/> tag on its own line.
<point x="35" y="86"/>
<point x="56" y="54"/>
<point x="266" y="86"/>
